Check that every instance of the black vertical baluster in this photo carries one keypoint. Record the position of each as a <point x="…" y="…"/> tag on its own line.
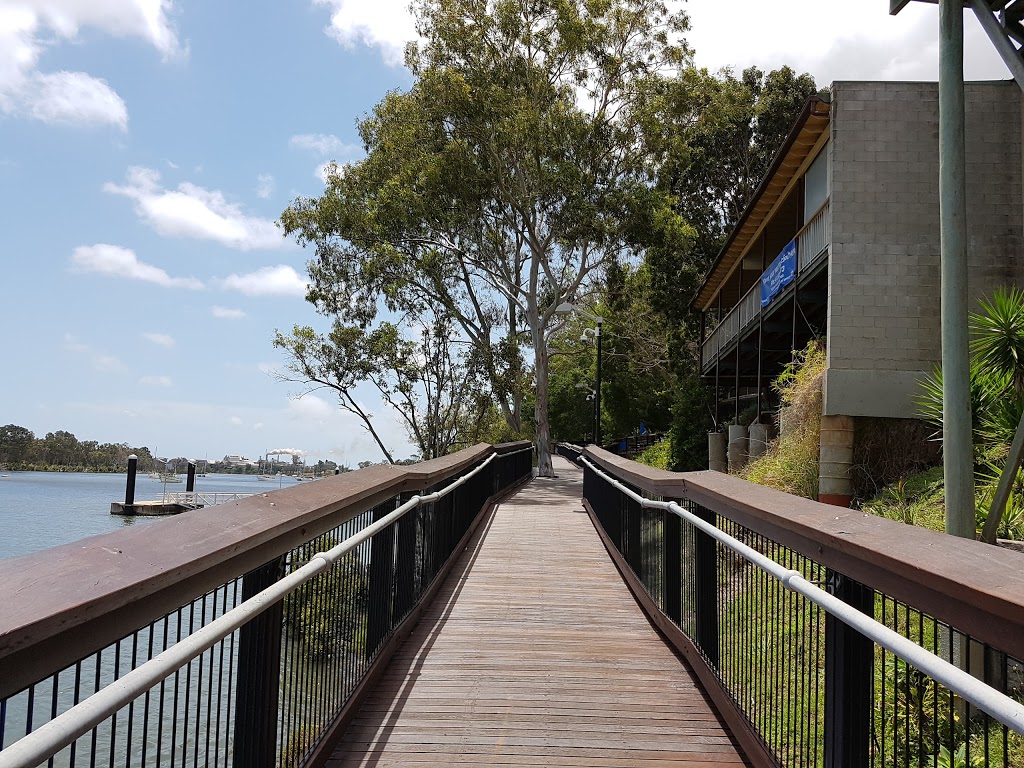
<point x="53" y="706"/>
<point x="405" y="576"/>
<point x="160" y="714"/>
<point x="257" y="686"/>
<point x="849" y="660"/>
<point x="382" y="558"/>
<point x="74" y="700"/>
<point x="706" y="564"/>
<point x="672" y="575"/>
<point x="129" y="738"/>
<point x="174" y="698"/>
<point x="186" y="715"/>
<point x="96" y="689"/>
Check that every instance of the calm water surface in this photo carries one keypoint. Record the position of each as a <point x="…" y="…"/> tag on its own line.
<point x="39" y="510"/>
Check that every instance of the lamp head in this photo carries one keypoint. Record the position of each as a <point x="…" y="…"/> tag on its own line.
<point x="565" y="308"/>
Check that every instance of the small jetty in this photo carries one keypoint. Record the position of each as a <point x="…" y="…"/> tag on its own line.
<point x="172" y="503"/>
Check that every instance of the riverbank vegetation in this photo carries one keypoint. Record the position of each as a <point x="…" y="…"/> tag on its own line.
<point x="61" y="451"/>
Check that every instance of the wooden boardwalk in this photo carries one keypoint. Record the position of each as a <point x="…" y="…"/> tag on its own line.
<point x="535" y="653"/>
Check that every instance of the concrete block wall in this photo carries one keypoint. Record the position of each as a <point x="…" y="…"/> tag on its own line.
<point x="883" y="310"/>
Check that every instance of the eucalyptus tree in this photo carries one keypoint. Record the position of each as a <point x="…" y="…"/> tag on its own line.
<point x="503" y="180"/>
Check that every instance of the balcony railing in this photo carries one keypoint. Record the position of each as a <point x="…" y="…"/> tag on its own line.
<point x="813" y="240"/>
<point x="812" y="244"/>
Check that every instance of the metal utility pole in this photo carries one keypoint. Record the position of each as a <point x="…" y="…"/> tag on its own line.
<point x="957" y="446"/>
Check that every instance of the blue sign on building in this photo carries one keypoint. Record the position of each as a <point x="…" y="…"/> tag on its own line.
<point x="779" y="274"/>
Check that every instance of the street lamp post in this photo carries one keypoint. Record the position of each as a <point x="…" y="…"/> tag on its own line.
<point x="563" y="309"/>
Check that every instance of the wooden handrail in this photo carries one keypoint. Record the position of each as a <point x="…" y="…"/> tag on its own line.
<point x="66" y="602"/>
<point x="972" y="586"/>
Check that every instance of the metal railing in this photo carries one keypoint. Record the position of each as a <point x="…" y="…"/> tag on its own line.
<point x="263" y="668"/>
<point x="813" y="240"/>
<point x="198" y="499"/>
<point x="827" y="639"/>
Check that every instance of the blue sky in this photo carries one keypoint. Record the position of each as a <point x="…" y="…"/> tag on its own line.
<point x="147" y="147"/>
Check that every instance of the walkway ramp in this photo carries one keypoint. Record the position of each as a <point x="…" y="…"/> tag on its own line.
<point x="535" y="653"/>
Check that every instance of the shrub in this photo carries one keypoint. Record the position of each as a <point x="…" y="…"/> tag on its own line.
<point x="658" y="455"/>
<point x="791" y="462"/>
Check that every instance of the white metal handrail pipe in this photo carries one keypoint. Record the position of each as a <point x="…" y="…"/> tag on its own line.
<point x="1004" y="709"/>
<point x="37" y="747"/>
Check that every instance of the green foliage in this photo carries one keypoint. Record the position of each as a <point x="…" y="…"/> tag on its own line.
<point x="997" y="400"/>
<point x="658" y="455"/>
<point x="504" y="180"/>
<point x="328" y="614"/>
<point x="20" y="449"/>
<point x="691" y="422"/>
<point x="917" y="499"/>
<point x="791" y="462"/>
<point x="718" y="136"/>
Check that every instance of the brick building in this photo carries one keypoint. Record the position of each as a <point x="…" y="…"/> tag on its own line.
<point x="841" y="242"/>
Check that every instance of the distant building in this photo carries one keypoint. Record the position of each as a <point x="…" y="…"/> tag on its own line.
<point x="234" y="460"/>
<point x="841" y="242"/>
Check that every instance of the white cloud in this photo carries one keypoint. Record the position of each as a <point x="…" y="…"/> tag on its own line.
<point x="75" y="97"/>
<point x="160" y="339"/>
<point x="121" y="262"/>
<point x="235" y="421"/>
<point x="257" y="426"/>
<point x="156" y="381"/>
<point x="225" y="313"/>
<point x="264" y="185"/>
<point x="29" y="27"/>
<point x="311" y="408"/>
<point x="384" y="24"/>
<point x="194" y="212"/>
<point x="322" y="144"/>
<point x="834" y="40"/>
<point x="281" y="280"/>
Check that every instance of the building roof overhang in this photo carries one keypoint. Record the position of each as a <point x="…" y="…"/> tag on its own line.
<point x="803" y="137"/>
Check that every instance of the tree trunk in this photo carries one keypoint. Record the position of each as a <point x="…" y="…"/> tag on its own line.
<point x="543" y="434"/>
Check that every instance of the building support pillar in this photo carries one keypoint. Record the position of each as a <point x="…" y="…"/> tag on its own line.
<point x="757" y="440"/>
<point x="835" y="463"/>
<point x="717" y="460"/>
<point x="737" y="447"/>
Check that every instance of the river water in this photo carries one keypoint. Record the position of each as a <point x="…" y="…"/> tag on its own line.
<point x="39" y="510"/>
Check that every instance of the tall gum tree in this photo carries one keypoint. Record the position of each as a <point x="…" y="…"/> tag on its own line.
<point x="505" y="179"/>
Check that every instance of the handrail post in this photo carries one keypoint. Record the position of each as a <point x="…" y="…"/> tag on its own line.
<point x="671" y="577"/>
<point x="706" y="573"/>
<point x="849" y="666"/>
<point x="257" y="688"/>
<point x="381" y="581"/>
<point x="405" y="562"/>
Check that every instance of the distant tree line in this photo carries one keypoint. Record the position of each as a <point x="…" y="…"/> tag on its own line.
<point x="20" y="449"/>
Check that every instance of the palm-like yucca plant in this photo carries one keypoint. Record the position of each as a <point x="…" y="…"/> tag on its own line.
<point x="998" y="336"/>
<point x="997" y="371"/>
